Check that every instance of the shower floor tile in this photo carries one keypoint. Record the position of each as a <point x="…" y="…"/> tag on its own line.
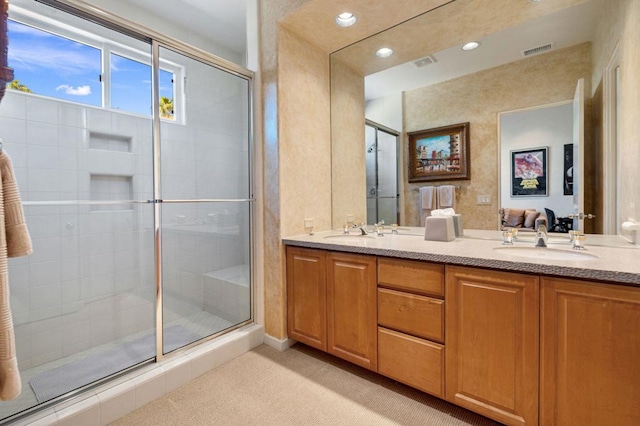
<point x="201" y="323"/>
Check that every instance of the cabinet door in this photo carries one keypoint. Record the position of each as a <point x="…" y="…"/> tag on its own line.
<point x="590" y="367"/>
<point x="351" y="308"/>
<point x="492" y="338"/>
<point x="306" y="296"/>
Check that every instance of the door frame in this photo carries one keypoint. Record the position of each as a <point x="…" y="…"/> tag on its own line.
<point x="501" y="166"/>
<point x="610" y="207"/>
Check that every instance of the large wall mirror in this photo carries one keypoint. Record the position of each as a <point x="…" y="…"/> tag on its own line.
<point x="519" y="91"/>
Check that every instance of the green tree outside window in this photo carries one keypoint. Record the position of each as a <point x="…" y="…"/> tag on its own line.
<point x="166" y="108"/>
<point x="16" y="85"/>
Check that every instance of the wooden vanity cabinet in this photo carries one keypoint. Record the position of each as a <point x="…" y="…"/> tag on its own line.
<point x="331" y="303"/>
<point x="518" y="348"/>
<point x="590" y="354"/>
<point x="307" y="296"/>
<point x="351" y="308"/>
<point x="492" y="343"/>
<point x="411" y="323"/>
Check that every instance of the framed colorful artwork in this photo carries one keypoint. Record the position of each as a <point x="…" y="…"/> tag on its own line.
<point x="439" y="154"/>
<point x="529" y="177"/>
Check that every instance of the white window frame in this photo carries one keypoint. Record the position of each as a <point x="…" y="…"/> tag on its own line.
<point x="106" y="47"/>
<point x="145" y="59"/>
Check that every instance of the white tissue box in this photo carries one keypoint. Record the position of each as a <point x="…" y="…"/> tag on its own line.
<point x="439" y="228"/>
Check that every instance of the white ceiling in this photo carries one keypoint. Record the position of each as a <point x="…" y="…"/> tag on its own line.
<point x="565" y="28"/>
<point x="223" y="21"/>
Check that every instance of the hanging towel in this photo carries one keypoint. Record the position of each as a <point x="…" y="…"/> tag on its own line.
<point x="427" y="202"/>
<point x="446" y="196"/>
<point x="14" y="242"/>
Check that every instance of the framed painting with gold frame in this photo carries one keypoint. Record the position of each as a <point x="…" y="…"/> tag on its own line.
<point x="438" y="154"/>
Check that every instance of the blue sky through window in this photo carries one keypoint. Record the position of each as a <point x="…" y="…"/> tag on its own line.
<point x="55" y="66"/>
<point x="131" y="85"/>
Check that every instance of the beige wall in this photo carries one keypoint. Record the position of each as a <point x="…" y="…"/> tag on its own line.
<point x="305" y="134"/>
<point x="270" y="11"/>
<point x="297" y="154"/>
<point x="478" y="98"/>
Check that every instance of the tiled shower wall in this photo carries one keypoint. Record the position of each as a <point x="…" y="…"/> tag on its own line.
<point x="61" y="295"/>
<point x="90" y="279"/>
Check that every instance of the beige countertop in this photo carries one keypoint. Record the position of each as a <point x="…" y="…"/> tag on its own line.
<point x="606" y="258"/>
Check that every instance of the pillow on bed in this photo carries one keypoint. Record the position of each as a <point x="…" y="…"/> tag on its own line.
<point x="530" y="217"/>
<point x="514" y="218"/>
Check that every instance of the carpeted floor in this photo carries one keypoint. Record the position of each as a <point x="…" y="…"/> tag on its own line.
<point x="300" y="386"/>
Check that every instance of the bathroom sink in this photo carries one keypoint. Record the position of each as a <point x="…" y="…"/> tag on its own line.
<point x="551" y="239"/>
<point x="350" y="238"/>
<point x="413" y="231"/>
<point x="545" y="253"/>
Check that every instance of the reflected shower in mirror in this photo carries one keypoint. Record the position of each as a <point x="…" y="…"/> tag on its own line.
<point x="382" y="174"/>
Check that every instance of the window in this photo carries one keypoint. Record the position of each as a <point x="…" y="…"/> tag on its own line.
<point x="131" y="87"/>
<point x="167" y="109"/>
<point x="55" y="66"/>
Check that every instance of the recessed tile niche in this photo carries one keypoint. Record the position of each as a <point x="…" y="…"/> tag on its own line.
<point x="111" y="188"/>
<point x="109" y="142"/>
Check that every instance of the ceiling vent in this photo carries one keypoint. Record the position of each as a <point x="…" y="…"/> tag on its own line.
<point x="537" y="50"/>
<point x="427" y="60"/>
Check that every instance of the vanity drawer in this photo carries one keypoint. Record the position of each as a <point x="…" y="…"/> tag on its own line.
<point x="412" y="361"/>
<point x="410" y="313"/>
<point x="411" y="275"/>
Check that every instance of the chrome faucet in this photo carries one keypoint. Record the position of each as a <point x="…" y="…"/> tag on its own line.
<point x="379" y="228"/>
<point x="363" y="229"/>
<point x="541" y="235"/>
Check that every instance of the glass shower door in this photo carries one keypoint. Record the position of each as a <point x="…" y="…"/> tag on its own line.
<point x="381" y="160"/>
<point x="387" y="177"/>
<point x="206" y="207"/>
<point x="83" y="302"/>
<point x="126" y="190"/>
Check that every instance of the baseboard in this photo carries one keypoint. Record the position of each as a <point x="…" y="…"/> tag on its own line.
<point x="279" y="344"/>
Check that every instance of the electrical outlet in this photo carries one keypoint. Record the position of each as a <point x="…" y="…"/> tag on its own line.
<point x="483" y="199"/>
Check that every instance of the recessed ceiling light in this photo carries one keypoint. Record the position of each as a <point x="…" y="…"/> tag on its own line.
<point x="384" y="52"/>
<point x="471" y="45"/>
<point x="346" y="19"/>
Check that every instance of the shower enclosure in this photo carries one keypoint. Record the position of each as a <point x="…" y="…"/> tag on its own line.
<point x="133" y="156"/>
<point x="381" y="144"/>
